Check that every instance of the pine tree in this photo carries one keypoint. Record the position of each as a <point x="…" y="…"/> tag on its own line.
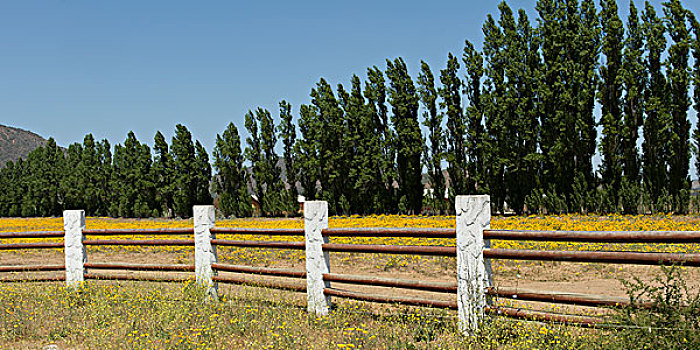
<point x="435" y="145"/>
<point x="403" y="98"/>
<point x="634" y="82"/>
<point x="287" y="133"/>
<point x="610" y="96"/>
<point x="679" y="84"/>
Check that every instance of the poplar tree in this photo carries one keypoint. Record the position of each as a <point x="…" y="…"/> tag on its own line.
<point x="679" y="83"/>
<point x="307" y="149"/>
<point x="403" y="98"/>
<point x="375" y="92"/>
<point x="184" y="165"/>
<point x="610" y="97"/>
<point x="163" y="174"/>
<point x="202" y="175"/>
<point x="89" y="172"/>
<point x="230" y="181"/>
<point x="134" y="191"/>
<point x="696" y="86"/>
<point x="450" y="101"/>
<point x="473" y="116"/>
<point x="634" y="82"/>
<point x="287" y="133"/>
<point x="435" y="141"/>
<point x="657" y="121"/>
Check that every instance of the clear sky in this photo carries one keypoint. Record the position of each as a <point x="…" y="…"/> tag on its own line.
<point x="71" y="67"/>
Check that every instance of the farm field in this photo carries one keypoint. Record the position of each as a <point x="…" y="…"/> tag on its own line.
<point x="602" y="279"/>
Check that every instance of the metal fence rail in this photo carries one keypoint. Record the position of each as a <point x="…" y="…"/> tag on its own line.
<point x="378" y="298"/>
<point x="25" y="268"/>
<point x="391" y="232"/>
<point x="296" y="287"/>
<point x="139" y="267"/>
<point x="144" y="232"/>
<point x="146" y="242"/>
<point x="259" y="244"/>
<point x="258" y="231"/>
<point x="37" y="245"/>
<point x="267" y="271"/>
<point x="391" y="249"/>
<point x="666" y="237"/>
<point x="633" y="258"/>
<point x="35" y="234"/>
<point x="441" y="287"/>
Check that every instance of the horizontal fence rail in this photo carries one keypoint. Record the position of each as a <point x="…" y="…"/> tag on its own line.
<point x="116" y="277"/>
<point x="34" y="279"/>
<point x="23" y="268"/>
<point x="38" y="245"/>
<point x="631" y="258"/>
<point x="391" y="249"/>
<point x="391" y="232"/>
<point x="139" y="267"/>
<point x="441" y="287"/>
<point x="378" y="298"/>
<point x="267" y="271"/>
<point x="35" y="234"/>
<point x="144" y="232"/>
<point x="558" y="297"/>
<point x="265" y="284"/>
<point x="668" y="237"/>
<point x="258" y="231"/>
<point x="147" y="242"/>
<point x="542" y="316"/>
<point x="259" y="244"/>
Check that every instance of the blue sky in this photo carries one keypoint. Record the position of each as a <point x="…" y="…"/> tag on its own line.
<point x="68" y="68"/>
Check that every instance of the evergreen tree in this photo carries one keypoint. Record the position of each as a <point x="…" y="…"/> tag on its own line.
<point x="435" y="148"/>
<point x="307" y="149"/>
<point x="610" y="96"/>
<point x="450" y="95"/>
<point x="696" y="86"/>
<point x="72" y="180"/>
<point x="163" y="174"/>
<point x="131" y="181"/>
<point x="89" y="173"/>
<point x="102" y="177"/>
<point x="230" y="182"/>
<point x="679" y="83"/>
<point x="657" y="121"/>
<point x="404" y="103"/>
<point x="202" y="175"/>
<point x="264" y="161"/>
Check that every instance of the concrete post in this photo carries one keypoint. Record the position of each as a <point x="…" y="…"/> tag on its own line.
<point x="473" y="272"/>
<point x="75" y="254"/>
<point x="204" y="252"/>
<point x="317" y="261"/>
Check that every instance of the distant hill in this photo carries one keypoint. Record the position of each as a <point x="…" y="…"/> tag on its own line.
<point x="16" y="143"/>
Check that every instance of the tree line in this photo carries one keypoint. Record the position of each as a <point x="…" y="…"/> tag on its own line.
<point x="515" y="120"/>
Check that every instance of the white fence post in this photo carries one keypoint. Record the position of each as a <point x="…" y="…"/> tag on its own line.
<point x="204" y="252"/>
<point x="74" y="251"/>
<point x="473" y="272"/>
<point x="317" y="261"/>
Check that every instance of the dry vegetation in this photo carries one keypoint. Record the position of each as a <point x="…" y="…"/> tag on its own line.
<point x="142" y="315"/>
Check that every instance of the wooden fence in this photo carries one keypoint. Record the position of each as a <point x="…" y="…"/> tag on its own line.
<point x="473" y="286"/>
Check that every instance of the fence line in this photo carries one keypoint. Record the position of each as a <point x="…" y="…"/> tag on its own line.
<point x="472" y="288"/>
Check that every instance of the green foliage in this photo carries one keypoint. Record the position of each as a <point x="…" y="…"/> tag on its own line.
<point x="230" y="183"/>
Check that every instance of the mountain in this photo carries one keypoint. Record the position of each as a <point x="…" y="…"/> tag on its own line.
<point x="16" y="143"/>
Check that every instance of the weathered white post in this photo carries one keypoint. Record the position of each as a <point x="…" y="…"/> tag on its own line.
<point x="317" y="261"/>
<point x="204" y="251"/>
<point x="74" y="251"/>
<point x="473" y="272"/>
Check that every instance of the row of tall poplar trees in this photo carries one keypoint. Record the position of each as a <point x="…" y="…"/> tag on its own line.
<point x="516" y="120"/>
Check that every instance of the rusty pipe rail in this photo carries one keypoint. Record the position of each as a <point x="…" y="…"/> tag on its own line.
<point x="37" y="279"/>
<point x="37" y="245"/>
<point x="34" y="234"/>
<point x="668" y="237"/>
<point x="258" y="231"/>
<point x="582" y="321"/>
<point x="115" y="277"/>
<point x="259" y="244"/>
<point x="391" y="249"/>
<point x="633" y="258"/>
<point x="265" y="284"/>
<point x="129" y="231"/>
<point x="377" y="298"/>
<point x="139" y="267"/>
<point x="267" y="271"/>
<point x="151" y="242"/>
<point x="23" y="268"/>
<point x="391" y="232"/>
<point x="578" y="299"/>
<point x="441" y="287"/>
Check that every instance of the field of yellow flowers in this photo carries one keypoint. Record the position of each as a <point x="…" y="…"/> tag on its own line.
<point x="126" y="315"/>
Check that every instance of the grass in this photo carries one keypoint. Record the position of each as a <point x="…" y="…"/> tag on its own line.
<point x="157" y="316"/>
